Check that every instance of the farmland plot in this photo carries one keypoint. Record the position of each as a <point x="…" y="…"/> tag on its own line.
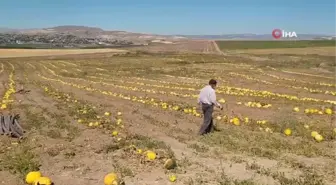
<point x="189" y="46"/>
<point x="86" y="117"/>
<point x="7" y="53"/>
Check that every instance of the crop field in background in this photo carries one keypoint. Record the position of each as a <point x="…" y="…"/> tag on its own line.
<point x="75" y="134"/>
<point x="7" y="53"/>
<point x="189" y="46"/>
<point x="323" y="51"/>
<point x="225" y="45"/>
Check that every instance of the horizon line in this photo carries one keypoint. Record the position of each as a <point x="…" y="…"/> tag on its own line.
<point x="322" y="34"/>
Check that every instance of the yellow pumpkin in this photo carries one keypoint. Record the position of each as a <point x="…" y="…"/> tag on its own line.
<point x="31" y="177"/>
<point x="43" y="181"/>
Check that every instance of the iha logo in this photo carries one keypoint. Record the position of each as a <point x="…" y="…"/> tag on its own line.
<point x="277" y="34"/>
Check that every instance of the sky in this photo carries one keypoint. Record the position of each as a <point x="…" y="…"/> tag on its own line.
<point x="204" y="17"/>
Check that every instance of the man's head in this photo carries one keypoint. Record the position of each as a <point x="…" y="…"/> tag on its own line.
<point x="213" y="83"/>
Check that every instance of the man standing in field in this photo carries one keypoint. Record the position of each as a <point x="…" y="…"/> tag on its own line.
<point x="207" y="101"/>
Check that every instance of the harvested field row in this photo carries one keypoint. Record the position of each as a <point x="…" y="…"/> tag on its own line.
<point x="9" y="53"/>
<point x="157" y="100"/>
<point x="179" y="47"/>
<point x="138" y="86"/>
<point x="88" y="117"/>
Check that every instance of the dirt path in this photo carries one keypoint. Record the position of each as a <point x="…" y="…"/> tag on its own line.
<point x="234" y="53"/>
<point x="217" y="48"/>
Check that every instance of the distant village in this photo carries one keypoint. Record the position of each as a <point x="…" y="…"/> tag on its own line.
<point x="58" y="40"/>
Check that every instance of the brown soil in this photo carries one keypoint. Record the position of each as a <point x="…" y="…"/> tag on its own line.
<point x="73" y="153"/>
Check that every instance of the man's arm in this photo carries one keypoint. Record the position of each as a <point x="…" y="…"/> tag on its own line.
<point x="214" y="100"/>
<point x="199" y="104"/>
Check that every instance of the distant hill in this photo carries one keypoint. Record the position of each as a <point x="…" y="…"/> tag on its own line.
<point x="326" y="38"/>
<point x="4" y="30"/>
<point x="83" y="36"/>
<point x="70" y="36"/>
<point x="91" y="32"/>
<point x="72" y="28"/>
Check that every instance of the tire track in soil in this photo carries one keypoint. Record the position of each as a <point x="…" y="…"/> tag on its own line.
<point x="217" y="49"/>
